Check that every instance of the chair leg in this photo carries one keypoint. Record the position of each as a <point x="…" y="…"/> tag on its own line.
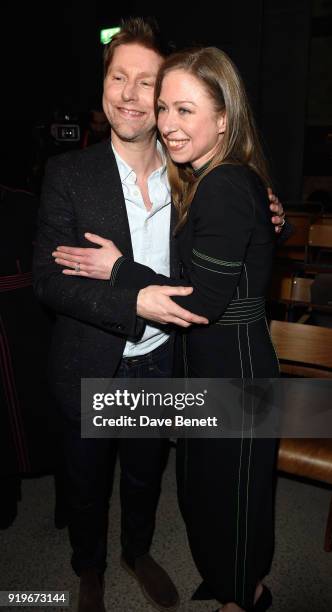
<point x="328" y="532"/>
<point x="304" y="318"/>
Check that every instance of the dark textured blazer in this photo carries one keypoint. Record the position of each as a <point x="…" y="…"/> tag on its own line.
<point x="82" y="192"/>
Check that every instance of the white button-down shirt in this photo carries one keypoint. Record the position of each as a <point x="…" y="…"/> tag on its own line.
<point x="149" y="230"/>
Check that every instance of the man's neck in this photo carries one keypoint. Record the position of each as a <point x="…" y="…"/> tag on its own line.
<point x="143" y="157"/>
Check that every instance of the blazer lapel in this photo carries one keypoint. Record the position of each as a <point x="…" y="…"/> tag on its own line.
<point x="110" y="220"/>
<point x="107" y="207"/>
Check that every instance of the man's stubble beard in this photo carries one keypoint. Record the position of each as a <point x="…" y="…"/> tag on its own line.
<point x="144" y="135"/>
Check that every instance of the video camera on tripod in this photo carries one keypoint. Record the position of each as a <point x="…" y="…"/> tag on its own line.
<point x="66" y="130"/>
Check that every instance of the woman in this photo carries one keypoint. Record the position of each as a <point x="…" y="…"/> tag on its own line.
<point x="225" y="241"/>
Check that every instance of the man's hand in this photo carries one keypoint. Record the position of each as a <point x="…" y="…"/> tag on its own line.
<point x="154" y="303"/>
<point x="93" y="263"/>
<point x="276" y="207"/>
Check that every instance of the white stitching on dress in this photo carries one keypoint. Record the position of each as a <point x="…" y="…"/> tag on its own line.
<point x="245" y="269"/>
<point x="236" y="322"/>
<point x="251" y="368"/>
<point x="249" y="462"/>
<point x="275" y="352"/>
<point x="184" y="347"/>
<point x="259" y="297"/>
<point x="240" y="465"/>
<point x="216" y="271"/>
<point x="216" y="261"/>
<point x="248" y="473"/>
<point x="237" y="308"/>
<point x="250" y="312"/>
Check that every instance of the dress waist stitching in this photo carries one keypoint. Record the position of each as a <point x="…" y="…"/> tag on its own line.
<point x="243" y="311"/>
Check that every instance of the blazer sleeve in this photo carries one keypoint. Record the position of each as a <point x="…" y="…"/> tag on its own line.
<point x="91" y="301"/>
<point x="223" y="214"/>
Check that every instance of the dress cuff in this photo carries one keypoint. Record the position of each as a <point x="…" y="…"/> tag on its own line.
<point x="115" y="270"/>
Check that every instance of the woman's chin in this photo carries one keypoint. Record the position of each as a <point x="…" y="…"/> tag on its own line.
<point x="179" y="158"/>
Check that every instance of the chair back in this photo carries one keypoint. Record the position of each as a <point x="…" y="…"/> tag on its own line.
<point x="303" y="350"/>
<point x="320" y="234"/>
<point x="301" y="289"/>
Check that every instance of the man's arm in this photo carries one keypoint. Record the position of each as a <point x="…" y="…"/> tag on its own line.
<point x="154" y="304"/>
<point x="94" y="302"/>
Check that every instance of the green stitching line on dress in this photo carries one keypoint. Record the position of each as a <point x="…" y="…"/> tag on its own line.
<point x="248" y="311"/>
<point x="245" y="322"/>
<point x="216" y="271"/>
<point x="231" y="308"/>
<point x="260" y="297"/>
<point x="217" y="261"/>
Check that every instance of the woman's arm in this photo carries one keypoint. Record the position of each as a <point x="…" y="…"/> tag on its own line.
<point x="223" y="218"/>
<point x="153" y="303"/>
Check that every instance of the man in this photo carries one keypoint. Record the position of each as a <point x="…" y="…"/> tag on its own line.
<point x="118" y="190"/>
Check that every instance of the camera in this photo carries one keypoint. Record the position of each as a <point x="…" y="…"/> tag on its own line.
<point x="65" y="132"/>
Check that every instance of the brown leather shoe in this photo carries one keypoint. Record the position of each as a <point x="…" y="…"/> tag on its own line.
<point x="91" y="596"/>
<point x="156" y="585"/>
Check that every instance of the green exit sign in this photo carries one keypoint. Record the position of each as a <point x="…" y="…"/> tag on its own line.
<point x="107" y="35"/>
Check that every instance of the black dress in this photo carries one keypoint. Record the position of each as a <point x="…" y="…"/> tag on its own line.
<point x="226" y="485"/>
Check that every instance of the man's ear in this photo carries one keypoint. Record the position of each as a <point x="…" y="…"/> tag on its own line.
<point x="222" y="123"/>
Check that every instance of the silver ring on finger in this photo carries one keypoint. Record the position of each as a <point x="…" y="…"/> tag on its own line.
<point x="77" y="267"/>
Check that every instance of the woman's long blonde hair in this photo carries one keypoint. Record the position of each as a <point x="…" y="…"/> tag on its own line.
<point x="240" y="143"/>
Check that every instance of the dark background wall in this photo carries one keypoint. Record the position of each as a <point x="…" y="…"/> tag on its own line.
<point x="284" y="88"/>
<point x="53" y="60"/>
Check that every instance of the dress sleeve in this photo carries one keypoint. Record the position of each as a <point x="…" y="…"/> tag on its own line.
<point x="223" y="216"/>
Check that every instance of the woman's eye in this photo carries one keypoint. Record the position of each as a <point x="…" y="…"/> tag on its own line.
<point x="160" y="109"/>
<point x="182" y="110"/>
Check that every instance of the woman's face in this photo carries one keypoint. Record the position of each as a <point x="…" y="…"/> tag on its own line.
<point x="187" y="121"/>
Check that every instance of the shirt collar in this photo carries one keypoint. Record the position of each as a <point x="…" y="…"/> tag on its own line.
<point x="127" y="174"/>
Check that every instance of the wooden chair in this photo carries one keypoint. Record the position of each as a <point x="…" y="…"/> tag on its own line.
<point x="320" y="238"/>
<point x="306" y="350"/>
<point x="301" y="297"/>
<point x="296" y="247"/>
<point x="303" y="350"/>
<point x="281" y="286"/>
<point x="320" y="232"/>
<point x="301" y="289"/>
<point x="294" y="293"/>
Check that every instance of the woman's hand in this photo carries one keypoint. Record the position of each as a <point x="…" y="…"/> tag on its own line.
<point x="277" y="208"/>
<point x="93" y="263"/>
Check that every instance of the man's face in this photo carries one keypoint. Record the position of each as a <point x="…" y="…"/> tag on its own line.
<point x="129" y="92"/>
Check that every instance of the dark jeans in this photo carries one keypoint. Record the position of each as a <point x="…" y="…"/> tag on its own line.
<point x="90" y="467"/>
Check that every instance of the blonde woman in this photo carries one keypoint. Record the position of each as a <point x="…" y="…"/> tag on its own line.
<point x="225" y="241"/>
